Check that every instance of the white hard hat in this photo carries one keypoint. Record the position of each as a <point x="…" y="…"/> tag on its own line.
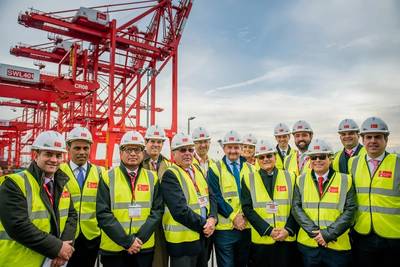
<point x="232" y="137"/>
<point x="319" y="146"/>
<point x="200" y="133"/>
<point x="49" y="140"/>
<point x="348" y="125"/>
<point x="264" y="147"/>
<point x="132" y="138"/>
<point x="281" y="129"/>
<point x="249" y="139"/>
<point x="374" y="125"/>
<point x="155" y="132"/>
<point x="301" y="126"/>
<point x="180" y="140"/>
<point x="79" y="133"/>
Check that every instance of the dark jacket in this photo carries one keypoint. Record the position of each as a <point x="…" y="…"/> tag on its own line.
<point x="342" y="223"/>
<point x="344" y="159"/>
<point x="111" y="226"/>
<point x="223" y="207"/>
<point x="161" y="164"/>
<point x="176" y="202"/>
<point x="262" y="227"/>
<point x="14" y="215"/>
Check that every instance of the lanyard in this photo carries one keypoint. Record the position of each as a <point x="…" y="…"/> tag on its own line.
<point x="46" y="189"/>
<point x="133" y="180"/>
<point x="193" y="180"/>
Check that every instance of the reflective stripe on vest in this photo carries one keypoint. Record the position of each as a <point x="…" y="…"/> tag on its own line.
<point x="260" y="198"/>
<point x="121" y="199"/>
<point x="325" y="210"/>
<point x="378" y="197"/>
<point x="291" y="164"/>
<point x="15" y="254"/>
<point x="174" y="231"/>
<point x="229" y="191"/>
<point x="84" y="200"/>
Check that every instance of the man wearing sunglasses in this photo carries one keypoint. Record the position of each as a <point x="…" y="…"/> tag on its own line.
<point x="324" y="205"/>
<point x="282" y="137"/>
<point x="266" y="202"/>
<point x="191" y="210"/>
<point x="232" y="238"/>
<point x="349" y="134"/>
<point x="376" y="233"/>
<point x="298" y="162"/>
<point x="155" y="161"/>
<point x="129" y="208"/>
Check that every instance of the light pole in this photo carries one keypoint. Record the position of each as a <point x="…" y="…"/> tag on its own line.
<point x="189" y="119"/>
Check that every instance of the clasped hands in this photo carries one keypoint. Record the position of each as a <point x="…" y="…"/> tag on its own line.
<point x="239" y="222"/>
<point x="209" y="227"/>
<point x="64" y="254"/>
<point x="136" y="246"/>
<point x="319" y="238"/>
<point x="279" y="234"/>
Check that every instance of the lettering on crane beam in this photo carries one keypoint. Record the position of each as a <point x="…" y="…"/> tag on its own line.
<point x="81" y="86"/>
<point x="20" y="74"/>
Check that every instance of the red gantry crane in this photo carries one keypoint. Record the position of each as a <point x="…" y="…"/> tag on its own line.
<point x="102" y="69"/>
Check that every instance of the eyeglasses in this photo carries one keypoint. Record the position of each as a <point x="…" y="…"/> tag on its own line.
<point x="133" y="149"/>
<point x="268" y="156"/>
<point x="185" y="149"/>
<point x="320" y="157"/>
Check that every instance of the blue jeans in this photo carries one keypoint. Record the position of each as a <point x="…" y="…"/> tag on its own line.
<point x="232" y="247"/>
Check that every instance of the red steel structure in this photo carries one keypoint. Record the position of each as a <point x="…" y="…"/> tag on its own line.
<point x="107" y="64"/>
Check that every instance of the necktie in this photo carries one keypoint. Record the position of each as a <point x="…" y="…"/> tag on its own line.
<point x="349" y="153"/>
<point x="50" y="188"/>
<point x="320" y="185"/>
<point x="375" y="164"/>
<point x="81" y="177"/>
<point x="154" y="163"/>
<point x="236" y="173"/>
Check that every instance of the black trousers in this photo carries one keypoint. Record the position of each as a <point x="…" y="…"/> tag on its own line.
<point x="373" y="250"/>
<point x="85" y="253"/>
<point x="144" y="259"/>
<point x="321" y="256"/>
<point x="190" y="261"/>
<point x="279" y="254"/>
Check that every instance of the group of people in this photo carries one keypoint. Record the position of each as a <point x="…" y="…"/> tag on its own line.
<point x="260" y="205"/>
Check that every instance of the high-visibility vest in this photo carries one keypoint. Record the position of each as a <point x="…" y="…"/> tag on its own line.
<point x="282" y="195"/>
<point x="174" y="231"/>
<point x="199" y="166"/>
<point x="340" y="159"/>
<point x="229" y="191"/>
<point x="121" y="197"/>
<point x="291" y="164"/>
<point x="84" y="200"/>
<point x="378" y="196"/>
<point x="279" y="163"/>
<point x="16" y="254"/>
<point x="324" y="210"/>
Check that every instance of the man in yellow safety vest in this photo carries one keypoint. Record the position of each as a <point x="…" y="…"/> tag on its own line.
<point x="83" y="183"/>
<point x="129" y="208"/>
<point x="190" y="208"/>
<point x="38" y="219"/>
<point x="376" y="175"/>
<point x="324" y="205"/>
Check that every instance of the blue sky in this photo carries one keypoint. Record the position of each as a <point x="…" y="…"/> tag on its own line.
<point x="248" y="65"/>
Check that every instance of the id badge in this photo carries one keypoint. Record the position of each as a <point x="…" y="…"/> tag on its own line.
<point x="272" y="207"/>
<point x="134" y="210"/>
<point x="203" y="201"/>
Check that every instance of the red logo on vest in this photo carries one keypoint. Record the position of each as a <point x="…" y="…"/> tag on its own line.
<point x="385" y="174"/>
<point x="281" y="188"/>
<point x="333" y="189"/>
<point x="65" y="194"/>
<point x="92" y="185"/>
<point x="143" y="187"/>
